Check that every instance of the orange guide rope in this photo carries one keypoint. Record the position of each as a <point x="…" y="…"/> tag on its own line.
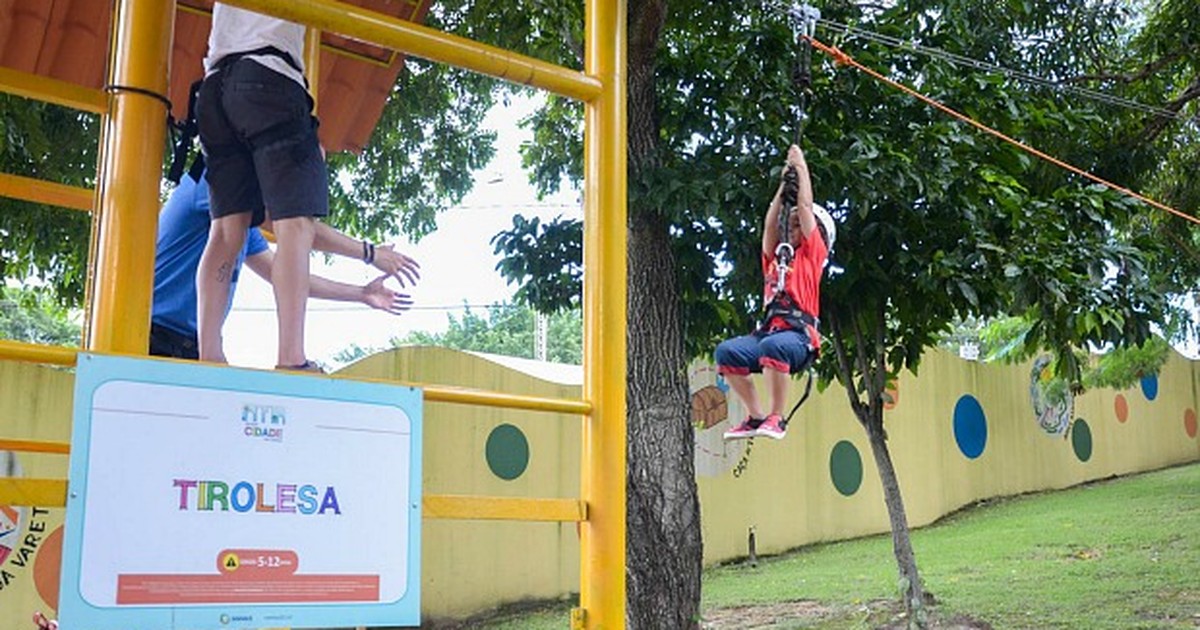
<point x="844" y="59"/>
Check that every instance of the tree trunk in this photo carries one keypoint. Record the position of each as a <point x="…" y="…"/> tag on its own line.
<point x="911" y="589"/>
<point x="664" y="546"/>
<point x="664" y="549"/>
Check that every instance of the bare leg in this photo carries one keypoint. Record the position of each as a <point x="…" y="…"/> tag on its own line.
<point x="778" y="383"/>
<point x="289" y="276"/>
<point x="226" y="237"/>
<point x="744" y="388"/>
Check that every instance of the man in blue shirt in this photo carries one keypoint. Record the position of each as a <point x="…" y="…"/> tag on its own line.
<point x="183" y="228"/>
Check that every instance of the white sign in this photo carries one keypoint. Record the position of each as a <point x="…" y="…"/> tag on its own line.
<point x="206" y="497"/>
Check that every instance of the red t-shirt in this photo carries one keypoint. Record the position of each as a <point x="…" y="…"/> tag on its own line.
<point x="803" y="282"/>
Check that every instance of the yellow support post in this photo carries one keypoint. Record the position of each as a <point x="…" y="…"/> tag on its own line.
<point x="130" y="170"/>
<point x="602" y="542"/>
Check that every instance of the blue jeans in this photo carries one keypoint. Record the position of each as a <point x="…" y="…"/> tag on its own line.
<point x="783" y="350"/>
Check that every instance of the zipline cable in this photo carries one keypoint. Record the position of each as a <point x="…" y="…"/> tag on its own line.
<point x="843" y="58"/>
<point x="1025" y="77"/>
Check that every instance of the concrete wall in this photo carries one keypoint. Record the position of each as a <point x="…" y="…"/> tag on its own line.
<point x="935" y="475"/>
<point x="794" y="492"/>
<point x="35" y="404"/>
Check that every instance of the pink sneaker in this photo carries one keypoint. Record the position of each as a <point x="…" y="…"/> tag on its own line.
<point x="774" y="427"/>
<point x="746" y="429"/>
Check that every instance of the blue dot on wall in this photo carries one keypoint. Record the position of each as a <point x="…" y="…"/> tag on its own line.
<point x="970" y="426"/>
<point x="1150" y="386"/>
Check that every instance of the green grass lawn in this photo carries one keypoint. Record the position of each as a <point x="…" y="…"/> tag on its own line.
<point x="1123" y="553"/>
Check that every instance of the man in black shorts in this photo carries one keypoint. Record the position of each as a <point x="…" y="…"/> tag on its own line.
<point x="265" y="166"/>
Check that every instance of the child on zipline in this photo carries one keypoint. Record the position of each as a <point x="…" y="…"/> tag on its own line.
<point x="787" y="340"/>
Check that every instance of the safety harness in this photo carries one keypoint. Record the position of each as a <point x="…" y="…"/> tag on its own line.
<point x="188" y="129"/>
<point x="784" y="308"/>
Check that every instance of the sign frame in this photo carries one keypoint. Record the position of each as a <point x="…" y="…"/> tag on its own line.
<point x="99" y="428"/>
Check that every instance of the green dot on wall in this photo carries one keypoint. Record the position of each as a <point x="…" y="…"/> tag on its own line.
<point x="845" y="468"/>
<point x="507" y="452"/>
<point x="1081" y="439"/>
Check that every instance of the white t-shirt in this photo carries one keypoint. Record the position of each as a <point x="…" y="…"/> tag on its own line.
<point x="238" y="30"/>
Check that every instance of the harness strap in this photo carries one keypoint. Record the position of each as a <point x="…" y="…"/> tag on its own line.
<point x="187" y="135"/>
<point x="807" y="391"/>
<point x="782" y="307"/>
<point x="232" y="58"/>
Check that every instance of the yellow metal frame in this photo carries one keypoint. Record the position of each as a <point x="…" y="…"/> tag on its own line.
<point x="349" y="54"/>
<point x="431" y="44"/>
<point x="131" y="157"/>
<point x="42" y="191"/>
<point x="34" y="353"/>
<point x="126" y="196"/>
<point x="53" y="91"/>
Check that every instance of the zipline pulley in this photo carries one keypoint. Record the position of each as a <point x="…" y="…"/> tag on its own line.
<point x="804" y="20"/>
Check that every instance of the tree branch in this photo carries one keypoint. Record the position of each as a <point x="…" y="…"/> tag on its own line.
<point x="1132" y="77"/>
<point x="843" y="362"/>
<point x="575" y="46"/>
<point x="881" y="356"/>
<point x="864" y="368"/>
<point x="1156" y="125"/>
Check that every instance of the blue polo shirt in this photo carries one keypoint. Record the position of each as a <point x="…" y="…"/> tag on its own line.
<point x="182" y="235"/>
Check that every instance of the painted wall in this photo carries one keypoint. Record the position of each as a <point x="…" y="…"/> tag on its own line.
<point x="469" y="566"/>
<point x="35" y="404"/>
<point x="961" y="432"/>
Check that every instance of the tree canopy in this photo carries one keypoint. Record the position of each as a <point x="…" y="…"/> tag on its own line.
<point x="510" y="330"/>
<point x="50" y="244"/>
<point x="936" y="222"/>
<point x="33" y="315"/>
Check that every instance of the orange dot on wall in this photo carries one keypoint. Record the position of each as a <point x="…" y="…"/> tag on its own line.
<point x="47" y="566"/>
<point x="1189" y="422"/>
<point x="893" y="396"/>
<point x="1122" y="408"/>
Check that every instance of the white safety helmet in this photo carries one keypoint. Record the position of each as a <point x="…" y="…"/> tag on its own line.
<point x="826" y="221"/>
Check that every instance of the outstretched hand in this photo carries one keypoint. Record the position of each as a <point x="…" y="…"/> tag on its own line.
<point x="43" y="623"/>
<point x="396" y="265"/>
<point x="377" y="295"/>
